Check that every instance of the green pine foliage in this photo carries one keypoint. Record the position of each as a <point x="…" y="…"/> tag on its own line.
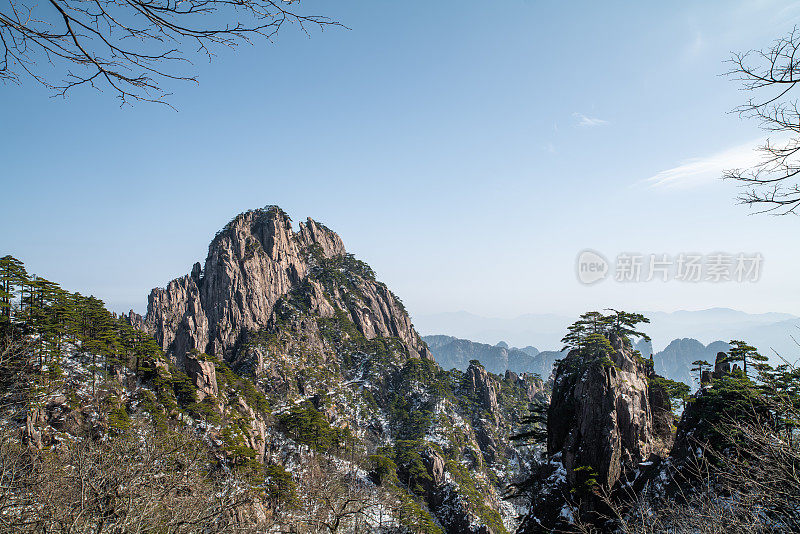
<point x="235" y="386"/>
<point x="239" y="454"/>
<point x="382" y="470"/>
<point x="678" y="392"/>
<point x="625" y="325"/>
<point x="586" y="482"/>
<point x="415" y="517"/>
<point x="58" y="322"/>
<point x="118" y="418"/>
<point x="411" y="467"/>
<point x="307" y="425"/>
<point x="743" y="353"/>
<point x="591" y="333"/>
<point x="533" y="427"/>
<point x="279" y="486"/>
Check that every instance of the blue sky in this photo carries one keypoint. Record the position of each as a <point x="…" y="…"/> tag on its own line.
<point x="468" y="151"/>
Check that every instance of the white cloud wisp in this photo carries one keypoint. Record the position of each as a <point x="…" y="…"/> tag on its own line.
<point x="588" y="122"/>
<point x="699" y="171"/>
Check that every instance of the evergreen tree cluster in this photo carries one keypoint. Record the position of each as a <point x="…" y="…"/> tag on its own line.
<point x="752" y="393"/>
<point x="592" y="332"/>
<point x="307" y="425"/>
<point x="55" y="322"/>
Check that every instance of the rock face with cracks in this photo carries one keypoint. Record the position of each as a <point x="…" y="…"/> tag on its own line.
<point x="600" y="415"/>
<point x="251" y="263"/>
<point x="600" y="421"/>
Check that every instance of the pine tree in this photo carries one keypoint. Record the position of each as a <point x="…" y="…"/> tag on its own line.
<point x="678" y="392"/>
<point x="590" y="323"/>
<point x="536" y="424"/>
<point x="623" y="324"/>
<point x="742" y="352"/>
<point x="699" y="366"/>
<point x="96" y="334"/>
<point x="620" y="324"/>
<point x="12" y="277"/>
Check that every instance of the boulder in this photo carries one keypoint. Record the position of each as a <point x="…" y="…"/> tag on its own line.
<point x="204" y="376"/>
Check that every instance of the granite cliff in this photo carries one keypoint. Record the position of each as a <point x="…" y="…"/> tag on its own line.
<point x="314" y="331"/>
<point x="253" y="262"/>
<point x="600" y="428"/>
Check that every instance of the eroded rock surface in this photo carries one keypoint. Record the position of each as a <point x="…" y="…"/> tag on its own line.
<point x="601" y="426"/>
<point x="253" y="262"/>
<point x="600" y="415"/>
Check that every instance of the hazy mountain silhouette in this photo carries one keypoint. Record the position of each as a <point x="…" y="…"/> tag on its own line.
<point x="769" y="332"/>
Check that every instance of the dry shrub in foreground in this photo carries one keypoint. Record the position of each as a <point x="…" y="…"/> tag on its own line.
<point x="139" y="481"/>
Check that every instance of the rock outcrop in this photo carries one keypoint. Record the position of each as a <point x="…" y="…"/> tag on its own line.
<point x="663" y="418"/>
<point x="531" y="384"/>
<point x="444" y="499"/>
<point x="253" y="262"/>
<point x="478" y="385"/>
<point x="600" y="426"/>
<point x="721" y="365"/>
<point x="204" y="376"/>
<point x="600" y="415"/>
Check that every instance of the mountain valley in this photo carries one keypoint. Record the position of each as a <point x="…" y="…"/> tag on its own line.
<point x="281" y="387"/>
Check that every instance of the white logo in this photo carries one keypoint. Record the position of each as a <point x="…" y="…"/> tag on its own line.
<point x="592" y="267"/>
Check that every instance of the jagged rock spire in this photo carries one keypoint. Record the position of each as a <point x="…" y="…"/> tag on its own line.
<point x="252" y="262"/>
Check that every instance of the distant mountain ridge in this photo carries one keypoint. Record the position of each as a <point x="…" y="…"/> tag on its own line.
<point x="769" y="332"/>
<point x="451" y="352"/>
<point x="675" y="361"/>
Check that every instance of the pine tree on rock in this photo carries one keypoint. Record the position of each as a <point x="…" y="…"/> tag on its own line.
<point x="623" y="324"/>
<point x="698" y="367"/>
<point x="742" y="352"/>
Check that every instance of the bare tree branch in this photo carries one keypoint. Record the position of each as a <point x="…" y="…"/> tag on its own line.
<point x="131" y="46"/>
<point x="771" y="185"/>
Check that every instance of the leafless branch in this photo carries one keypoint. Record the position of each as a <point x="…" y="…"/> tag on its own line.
<point x="131" y="47"/>
<point x="771" y="75"/>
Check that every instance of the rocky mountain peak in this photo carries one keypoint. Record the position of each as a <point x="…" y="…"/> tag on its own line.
<point x="254" y="261"/>
<point x="313" y="233"/>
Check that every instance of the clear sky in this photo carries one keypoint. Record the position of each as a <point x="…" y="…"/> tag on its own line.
<point x="466" y="150"/>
